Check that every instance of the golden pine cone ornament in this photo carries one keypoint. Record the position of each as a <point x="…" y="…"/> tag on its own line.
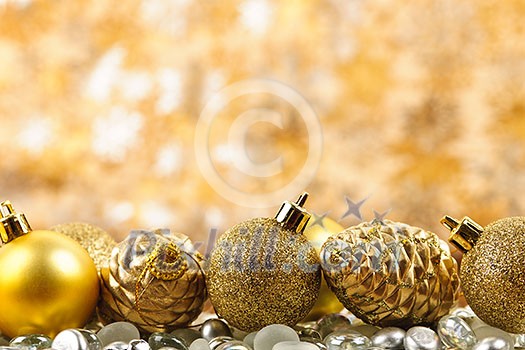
<point x="155" y="281"/>
<point x="391" y="274"/>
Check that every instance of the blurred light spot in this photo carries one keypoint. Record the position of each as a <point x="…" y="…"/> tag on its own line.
<point x="214" y="217"/>
<point x="115" y="134"/>
<point x="169" y="160"/>
<point x="170" y="83"/>
<point x="120" y="212"/>
<point x="155" y="215"/>
<point x="256" y="15"/>
<point x="165" y="15"/>
<point x="213" y="82"/>
<point x="105" y="75"/>
<point x="223" y="154"/>
<point x="17" y="3"/>
<point x="135" y="85"/>
<point x="35" y="135"/>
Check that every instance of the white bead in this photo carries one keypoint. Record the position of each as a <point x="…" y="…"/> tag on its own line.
<point x="492" y="343"/>
<point x="389" y="338"/>
<point x="118" y="331"/>
<point x="421" y="338"/>
<point x="488" y="331"/>
<point x="250" y="338"/>
<point x="294" y="345"/>
<point x="200" y="344"/>
<point x="76" y="339"/>
<point x="270" y="335"/>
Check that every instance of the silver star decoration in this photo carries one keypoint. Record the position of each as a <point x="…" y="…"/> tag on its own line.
<point x="381" y="216"/>
<point x="354" y="208"/>
<point x="318" y="219"/>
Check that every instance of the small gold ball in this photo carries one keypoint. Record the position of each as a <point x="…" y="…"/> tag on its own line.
<point x="317" y="233"/>
<point x="95" y="240"/>
<point x="492" y="275"/>
<point x="261" y="274"/>
<point x="48" y="283"/>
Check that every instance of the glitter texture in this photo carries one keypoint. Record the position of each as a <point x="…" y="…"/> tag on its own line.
<point x="95" y="240"/>
<point x="261" y="273"/>
<point x="493" y="275"/>
<point x="391" y="274"/>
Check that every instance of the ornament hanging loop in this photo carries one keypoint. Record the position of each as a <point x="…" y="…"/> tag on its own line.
<point x="13" y="224"/>
<point x="293" y="216"/>
<point x="463" y="234"/>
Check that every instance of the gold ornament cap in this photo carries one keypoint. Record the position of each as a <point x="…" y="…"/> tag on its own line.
<point x="13" y="224"/>
<point x="463" y="234"/>
<point x="293" y="216"/>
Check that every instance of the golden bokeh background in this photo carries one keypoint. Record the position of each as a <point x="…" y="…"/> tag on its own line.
<point x="422" y="107"/>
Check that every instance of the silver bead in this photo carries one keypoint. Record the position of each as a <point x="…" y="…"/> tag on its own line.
<point x="421" y="338"/>
<point x="158" y="340"/>
<point x="116" y="345"/>
<point x="309" y="333"/>
<point x="138" y="344"/>
<point x="214" y="328"/>
<point x="32" y="341"/>
<point x="341" y="340"/>
<point x="492" y="343"/>
<point x="519" y="340"/>
<point x="76" y="339"/>
<point x="218" y="341"/>
<point x="118" y="331"/>
<point x="188" y="335"/>
<point x="331" y="323"/>
<point x="455" y="332"/>
<point x="389" y="338"/>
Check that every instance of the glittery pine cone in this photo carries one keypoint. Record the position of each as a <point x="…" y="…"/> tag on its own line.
<point x="391" y="274"/>
<point x="155" y="281"/>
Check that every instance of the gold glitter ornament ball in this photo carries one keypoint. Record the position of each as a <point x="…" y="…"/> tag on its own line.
<point x="95" y="240"/>
<point x="318" y="230"/>
<point x="492" y="269"/>
<point x="48" y="282"/>
<point x="391" y="274"/>
<point x="264" y="271"/>
<point x="154" y="280"/>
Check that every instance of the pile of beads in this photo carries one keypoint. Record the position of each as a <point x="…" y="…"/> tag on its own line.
<point x="459" y="330"/>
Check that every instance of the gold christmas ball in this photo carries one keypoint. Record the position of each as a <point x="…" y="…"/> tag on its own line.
<point x="318" y="230"/>
<point x="391" y="274"/>
<point x="154" y="280"/>
<point x="48" y="283"/>
<point x="493" y="269"/>
<point x="95" y="240"/>
<point x="262" y="272"/>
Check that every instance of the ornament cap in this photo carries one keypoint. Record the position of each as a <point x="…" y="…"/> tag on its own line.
<point x="463" y="234"/>
<point x="293" y="216"/>
<point x="13" y="224"/>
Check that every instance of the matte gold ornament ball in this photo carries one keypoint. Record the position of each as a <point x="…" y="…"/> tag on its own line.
<point x="317" y="232"/>
<point x="48" y="282"/>
<point x="391" y="274"/>
<point x="154" y="280"/>
<point x="264" y="271"/>
<point x="95" y="240"/>
<point x="492" y="269"/>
